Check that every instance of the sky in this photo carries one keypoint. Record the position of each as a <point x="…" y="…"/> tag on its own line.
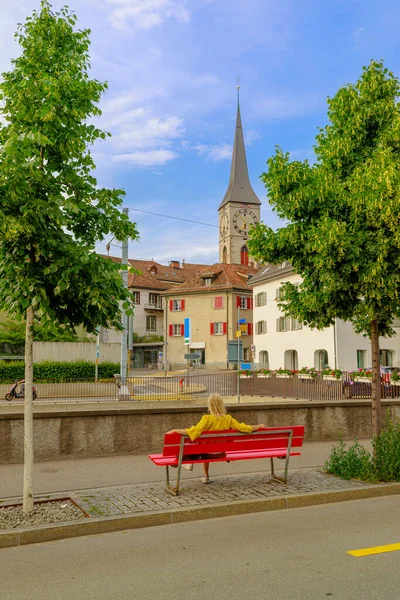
<point x="172" y="68"/>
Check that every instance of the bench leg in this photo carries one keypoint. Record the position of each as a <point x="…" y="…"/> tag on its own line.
<point x="170" y="488"/>
<point x="167" y="474"/>
<point x="272" y="467"/>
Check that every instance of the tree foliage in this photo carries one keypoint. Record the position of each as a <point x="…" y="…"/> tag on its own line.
<point x="343" y="234"/>
<point x="52" y="212"/>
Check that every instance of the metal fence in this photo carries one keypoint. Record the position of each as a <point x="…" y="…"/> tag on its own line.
<point x="194" y="386"/>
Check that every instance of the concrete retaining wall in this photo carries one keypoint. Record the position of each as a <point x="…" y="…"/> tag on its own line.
<point x="71" y="351"/>
<point x="93" y="431"/>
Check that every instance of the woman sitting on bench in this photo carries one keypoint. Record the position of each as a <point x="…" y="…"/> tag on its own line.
<point x="216" y="420"/>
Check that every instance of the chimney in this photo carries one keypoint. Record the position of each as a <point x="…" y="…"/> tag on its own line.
<point x="175" y="264"/>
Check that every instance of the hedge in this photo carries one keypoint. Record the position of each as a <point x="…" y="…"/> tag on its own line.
<point x="57" y="371"/>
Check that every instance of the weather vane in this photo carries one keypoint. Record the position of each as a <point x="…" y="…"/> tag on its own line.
<point x="238" y="82"/>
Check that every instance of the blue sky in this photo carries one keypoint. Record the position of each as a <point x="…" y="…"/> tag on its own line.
<point x="172" y="67"/>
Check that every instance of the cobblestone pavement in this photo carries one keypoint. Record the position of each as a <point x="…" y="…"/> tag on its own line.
<point x="147" y="497"/>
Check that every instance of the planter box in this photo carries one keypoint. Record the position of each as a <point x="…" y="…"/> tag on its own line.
<point x="283" y="376"/>
<point x="395" y="382"/>
<point x="363" y="379"/>
<point x="306" y="376"/>
<point x="330" y="378"/>
<point x="263" y="376"/>
<point x="245" y="376"/>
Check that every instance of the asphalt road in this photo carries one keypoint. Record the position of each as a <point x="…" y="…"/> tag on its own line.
<point x="289" y="555"/>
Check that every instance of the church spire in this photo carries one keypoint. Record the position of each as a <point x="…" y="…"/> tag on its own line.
<point x="239" y="188"/>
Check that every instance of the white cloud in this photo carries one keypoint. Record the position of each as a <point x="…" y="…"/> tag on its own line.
<point x="214" y="152"/>
<point x="146" y="158"/>
<point x="139" y="137"/>
<point x="358" y="37"/>
<point x="146" y="14"/>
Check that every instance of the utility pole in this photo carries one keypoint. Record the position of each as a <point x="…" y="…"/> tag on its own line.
<point x="124" y="336"/>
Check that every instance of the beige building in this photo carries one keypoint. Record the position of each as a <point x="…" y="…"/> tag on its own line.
<point x="212" y="300"/>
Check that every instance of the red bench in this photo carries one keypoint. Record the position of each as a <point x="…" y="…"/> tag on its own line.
<point x="271" y="442"/>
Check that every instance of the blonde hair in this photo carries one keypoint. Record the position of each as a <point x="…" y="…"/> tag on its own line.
<point x="216" y="406"/>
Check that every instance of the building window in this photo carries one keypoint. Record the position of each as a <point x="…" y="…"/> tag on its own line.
<point x="136" y="297"/>
<point x="261" y="299"/>
<point x="282" y="324"/>
<point x="225" y="255"/>
<point x="278" y="295"/>
<point x="207" y="280"/>
<point x="386" y="358"/>
<point x="244" y="302"/>
<point x="176" y="330"/>
<point x="244" y="255"/>
<point x="291" y="360"/>
<point x="296" y="325"/>
<point x="246" y="354"/>
<point x="218" y="302"/>
<point x="261" y="327"/>
<point x="264" y="359"/>
<point x="176" y="305"/>
<point x="218" y="328"/>
<point x="150" y="323"/>
<point x="155" y="300"/>
<point x="321" y="361"/>
<point x="361" y="354"/>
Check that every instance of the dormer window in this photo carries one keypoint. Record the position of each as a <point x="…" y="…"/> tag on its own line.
<point x="207" y="280"/>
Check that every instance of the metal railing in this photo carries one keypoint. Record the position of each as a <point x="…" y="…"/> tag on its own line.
<point x="193" y="386"/>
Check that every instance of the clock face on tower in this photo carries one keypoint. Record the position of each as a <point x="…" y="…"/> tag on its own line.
<point x="243" y="219"/>
<point x="224" y="225"/>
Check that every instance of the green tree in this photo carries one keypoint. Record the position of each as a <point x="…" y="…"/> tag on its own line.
<point x="52" y="212"/>
<point x="342" y="234"/>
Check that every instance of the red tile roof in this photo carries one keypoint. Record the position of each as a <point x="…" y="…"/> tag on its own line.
<point x="224" y="277"/>
<point x="155" y="276"/>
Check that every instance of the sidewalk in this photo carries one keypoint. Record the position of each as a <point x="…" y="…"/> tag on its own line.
<point x="127" y="492"/>
<point x="117" y="471"/>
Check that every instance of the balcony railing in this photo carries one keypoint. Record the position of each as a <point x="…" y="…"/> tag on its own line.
<point x="153" y="306"/>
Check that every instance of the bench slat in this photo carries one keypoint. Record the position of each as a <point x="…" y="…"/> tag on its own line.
<point x="164" y="461"/>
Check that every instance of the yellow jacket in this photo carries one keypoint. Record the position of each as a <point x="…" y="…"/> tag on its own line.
<point x="212" y="423"/>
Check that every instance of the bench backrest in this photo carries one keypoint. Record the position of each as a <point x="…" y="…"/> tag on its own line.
<point x="271" y="438"/>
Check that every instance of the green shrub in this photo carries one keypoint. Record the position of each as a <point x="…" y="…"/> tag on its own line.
<point x="57" y="371"/>
<point x="387" y="452"/>
<point x="354" y="462"/>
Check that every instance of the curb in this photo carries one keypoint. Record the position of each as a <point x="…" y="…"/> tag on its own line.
<point x="98" y="525"/>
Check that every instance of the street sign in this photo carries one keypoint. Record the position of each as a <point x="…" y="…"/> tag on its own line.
<point x="238" y="334"/>
<point x="160" y="355"/>
<point x="243" y="327"/>
<point x="193" y="356"/>
<point x="241" y="321"/>
<point x="253" y="348"/>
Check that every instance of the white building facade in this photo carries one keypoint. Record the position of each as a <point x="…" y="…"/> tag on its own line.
<point x="280" y="341"/>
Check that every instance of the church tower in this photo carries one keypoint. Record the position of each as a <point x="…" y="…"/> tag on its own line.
<point x="240" y="207"/>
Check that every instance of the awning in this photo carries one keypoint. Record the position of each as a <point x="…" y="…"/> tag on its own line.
<point x="197" y="345"/>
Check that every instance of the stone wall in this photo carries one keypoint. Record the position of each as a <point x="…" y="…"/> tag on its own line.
<point x="72" y="351"/>
<point x="92" y="431"/>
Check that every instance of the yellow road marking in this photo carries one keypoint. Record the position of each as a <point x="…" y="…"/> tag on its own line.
<point x="374" y="550"/>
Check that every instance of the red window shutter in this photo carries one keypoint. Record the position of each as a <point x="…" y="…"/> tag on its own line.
<point x="212" y="328"/>
<point x="171" y="330"/>
<point x="218" y="302"/>
<point x="224" y="328"/>
<point x="237" y="301"/>
<point x="250" y="329"/>
<point x="251" y="303"/>
<point x="182" y="329"/>
<point x="171" y="305"/>
<point x="182" y="305"/>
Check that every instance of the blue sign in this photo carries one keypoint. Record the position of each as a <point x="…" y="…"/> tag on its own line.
<point x="241" y="321"/>
<point x="187" y="330"/>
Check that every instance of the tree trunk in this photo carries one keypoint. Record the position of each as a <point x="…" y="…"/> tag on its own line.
<point x="28" y="416"/>
<point x="376" y="380"/>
